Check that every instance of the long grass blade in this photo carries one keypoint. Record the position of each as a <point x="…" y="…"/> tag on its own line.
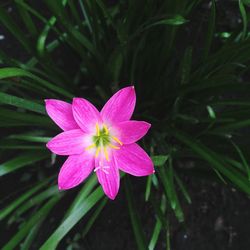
<point x="72" y="219"/>
<point x="135" y="220"/>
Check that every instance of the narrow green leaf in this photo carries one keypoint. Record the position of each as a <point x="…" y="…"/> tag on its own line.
<point x="167" y="178"/>
<point x="210" y="31"/>
<point x="21" y="103"/>
<point x="232" y="174"/>
<point x="30" y="138"/>
<point x="25" y="15"/>
<point x="36" y="200"/>
<point x="16" y="72"/>
<point x="82" y="194"/>
<point x="243" y="159"/>
<point x="39" y="216"/>
<point x="160" y="214"/>
<point x="26" y="245"/>
<point x="72" y="220"/>
<point x="158" y="226"/>
<point x="22" y="160"/>
<point x="175" y="21"/>
<point x="135" y="220"/>
<point x="159" y="160"/>
<point x="183" y="188"/>
<point x="244" y="19"/>
<point x="9" y="115"/>
<point x="8" y="22"/>
<point x="211" y="112"/>
<point x="13" y="205"/>
<point x="93" y="217"/>
<point x="148" y="187"/>
<point x="85" y="14"/>
<point x="41" y="42"/>
<point x="155" y="235"/>
<point x="185" y="67"/>
<point x="232" y="126"/>
<point x="247" y="2"/>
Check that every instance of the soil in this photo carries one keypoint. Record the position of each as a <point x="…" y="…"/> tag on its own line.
<point x="217" y="219"/>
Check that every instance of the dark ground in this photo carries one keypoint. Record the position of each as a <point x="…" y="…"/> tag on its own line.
<point x="217" y="219"/>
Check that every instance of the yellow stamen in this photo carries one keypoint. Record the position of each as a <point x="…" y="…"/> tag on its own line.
<point x="97" y="151"/>
<point x="106" y="129"/>
<point x="91" y="146"/>
<point x="97" y="129"/>
<point x="117" y="140"/>
<point x="106" y="153"/>
<point x="113" y="146"/>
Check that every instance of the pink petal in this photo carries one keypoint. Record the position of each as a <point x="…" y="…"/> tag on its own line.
<point x="133" y="160"/>
<point x="109" y="178"/>
<point x="131" y="131"/>
<point x="61" y="113"/>
<point x="86" y="115"/>
<point x="69" y="142"/>
<point x="120" y="106"/>
<point x="75" y="170"/>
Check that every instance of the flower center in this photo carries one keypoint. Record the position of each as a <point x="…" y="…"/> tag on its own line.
<point x="102" y="137"/>
<point x="102" y="142"/>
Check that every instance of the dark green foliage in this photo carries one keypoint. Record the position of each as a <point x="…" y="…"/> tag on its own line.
<point x="192" y="84"/>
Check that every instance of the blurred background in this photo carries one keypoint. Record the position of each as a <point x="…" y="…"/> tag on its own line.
<point x="189" y="62"/>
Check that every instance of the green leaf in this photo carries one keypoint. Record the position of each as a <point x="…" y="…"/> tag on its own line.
<point x="25" y="118"/>
<point x="211" y="112"/>
<point x="41" y="42"/>
<point x="72" y="220"/>
<point x="167" y="179"/>
<point x="155" y="235"/>
<point x="30" y="25"/>
<point x="207" y="154"/>
<point x="175" y="21"/>
<point x="135" y="220"/>
<point x="247" y="2"/>
<point x="159" y="160"/>
<point x="183" y="188"/>
<point x="148" y="187"/>
<point x="185" y="66"/>
<point x="244" y="19"/>
<point x="37" y="217"/>
<point x="8" y="22"/>
<point x="30" y="138"/>
<point x="158" y="226"/>
<point x="82" y="194"/>
<point x="36" y="200"/>
<point x="94" y="216"/>
<point x="16" y="72"/>
<point x="13" y="205"/>
<point x="232" y="126"/>
<point x="21" y="103"/>
<point x="243" y="159"/>
<point x="26" y="245"/>
<point x="210" y="31"/>
<point x="21" y="161"/>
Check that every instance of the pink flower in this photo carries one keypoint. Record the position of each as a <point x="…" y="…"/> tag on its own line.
<point x="100" y="141"/>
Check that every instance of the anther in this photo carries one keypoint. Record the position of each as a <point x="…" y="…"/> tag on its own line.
<point x="97" y="129"/>
<point x="97" y="151"/>
<point x="113" y="146"/>
<point x="105" y="129"/>
<point x="106" y="153"/>
<point x="117" y="140"/>
<point x="91" y="146"/>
